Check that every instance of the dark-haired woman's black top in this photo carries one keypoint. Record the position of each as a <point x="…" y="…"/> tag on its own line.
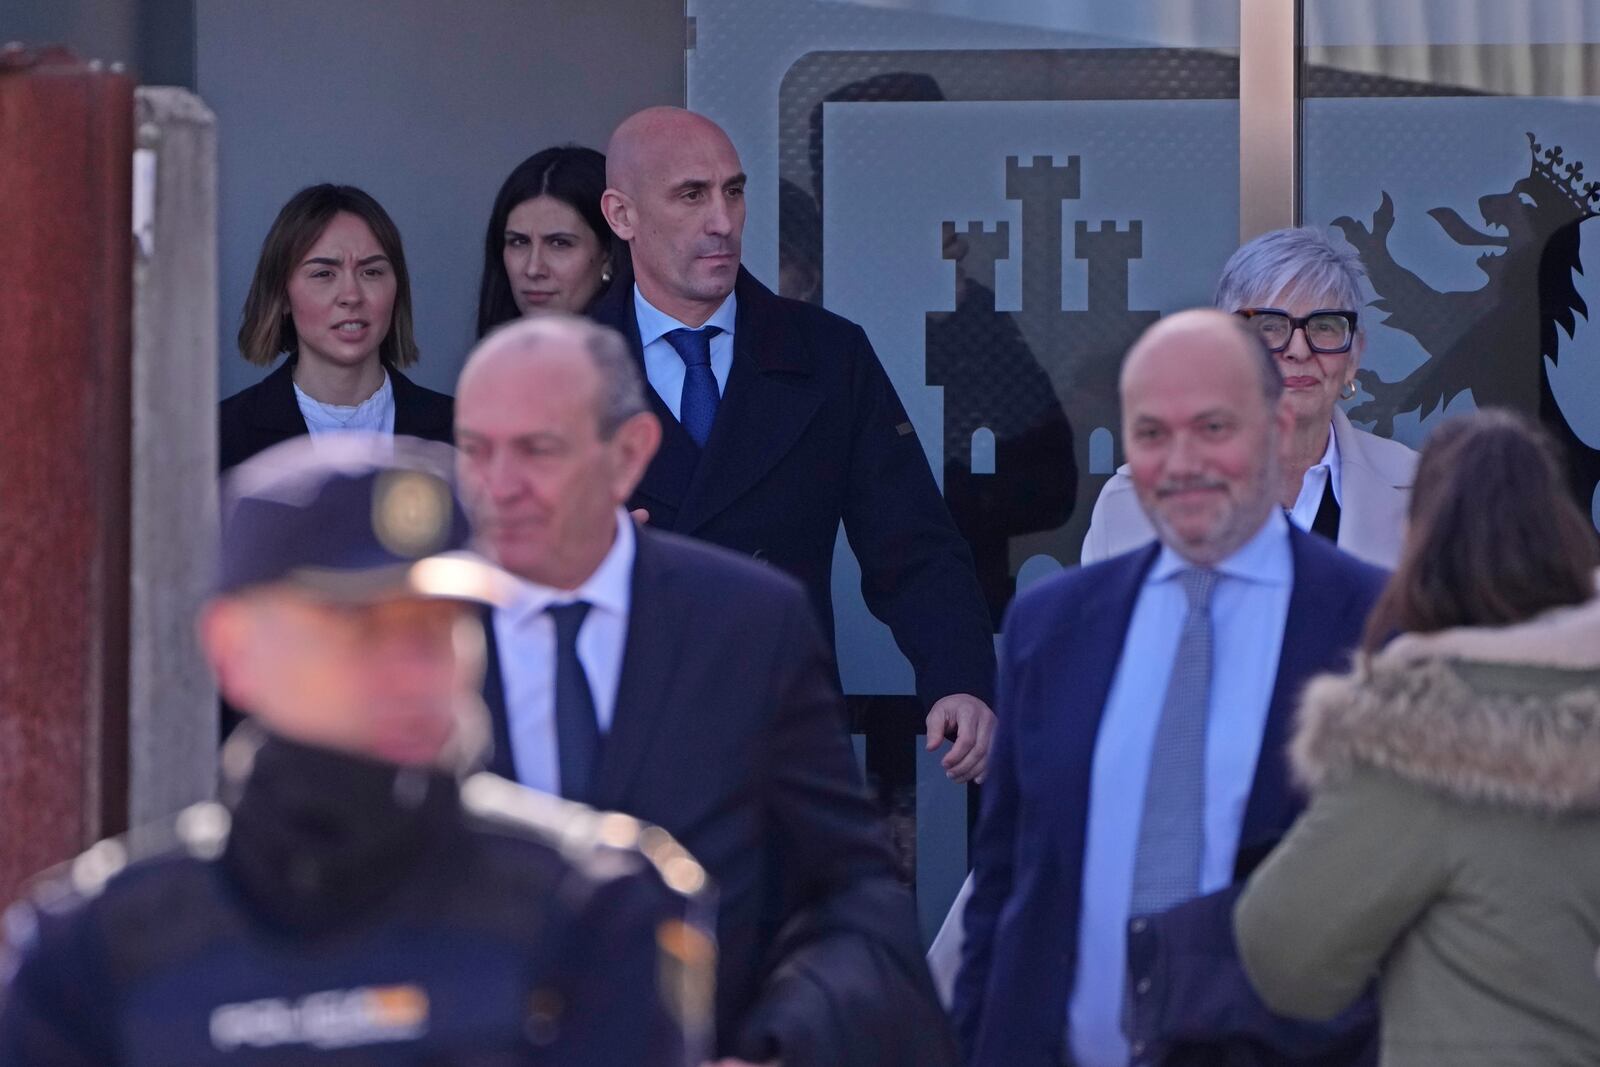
<point x="254" y="419"/>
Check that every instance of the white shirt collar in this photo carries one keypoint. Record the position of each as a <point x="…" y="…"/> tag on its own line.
<point x="376" y="412"/>
<point x="1264" y="558"/>
<point x="655" y="324"/>
<point x="608" y="589"/>
<point x="1330" y="460"/>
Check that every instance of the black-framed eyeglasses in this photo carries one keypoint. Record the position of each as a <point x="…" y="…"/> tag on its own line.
<point x="1329" y="331"/>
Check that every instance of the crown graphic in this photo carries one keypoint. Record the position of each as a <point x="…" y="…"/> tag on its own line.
<point x="1565" y="178"/>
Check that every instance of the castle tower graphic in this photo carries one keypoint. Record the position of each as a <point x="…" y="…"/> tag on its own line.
<point x="1026" y="393"/>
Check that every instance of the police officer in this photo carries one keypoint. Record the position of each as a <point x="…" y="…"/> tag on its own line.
<point x="357" y="897"/>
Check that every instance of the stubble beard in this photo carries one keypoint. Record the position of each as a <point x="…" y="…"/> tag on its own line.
<point x="1244" y="517"/>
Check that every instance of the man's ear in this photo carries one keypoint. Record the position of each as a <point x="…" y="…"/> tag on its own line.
<point x="222" y="629"/>
<point x="635" y="442"/>
<point x="618" y="210"/>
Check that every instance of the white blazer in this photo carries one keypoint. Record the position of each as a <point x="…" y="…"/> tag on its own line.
<point x="1375" y="476"/>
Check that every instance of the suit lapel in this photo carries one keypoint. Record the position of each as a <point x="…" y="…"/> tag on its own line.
<point x="1101" y="628"/>
<point x="766" y="404"/>
<point x="415" y="415"/>
<point x="1373" y="506"/>
<point x="1305" y="637"/>
<point x="276" y="410"/>
<point x="494" y="700"/>
<point x="650" y="659"/>
<point x="666" y="480"/>
<point x="769" y="400"/>
<point x="1083" y="652"/>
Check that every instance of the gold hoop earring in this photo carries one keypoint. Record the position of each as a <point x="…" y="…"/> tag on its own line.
<point x="605" y="274"/>
<point x="1351" y="394"/>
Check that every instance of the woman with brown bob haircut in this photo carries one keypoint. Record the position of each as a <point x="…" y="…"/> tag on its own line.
<point x="332" y="292"/>
<point x="1452" y="844"/>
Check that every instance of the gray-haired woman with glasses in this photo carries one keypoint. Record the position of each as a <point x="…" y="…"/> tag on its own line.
<point x="1301" y="293"/>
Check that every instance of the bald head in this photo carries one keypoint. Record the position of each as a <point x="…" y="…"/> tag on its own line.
<point x="641" y="136"/>
<point x="1202" y="422"/>
<point x="1212" y="330"/>
<point x="553" y="436"/>
<point x="675" y="193"/>
<point x="619" y="387"/>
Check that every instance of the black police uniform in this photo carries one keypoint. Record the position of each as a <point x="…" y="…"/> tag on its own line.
<point x="342" y="911"/>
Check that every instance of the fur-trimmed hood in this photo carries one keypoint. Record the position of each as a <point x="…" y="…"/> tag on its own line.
<point x="1507" y="715"/>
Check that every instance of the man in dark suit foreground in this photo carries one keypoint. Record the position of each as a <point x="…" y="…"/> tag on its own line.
<point x="1139" y="770"/>
<point x="779" y="423"/>
<point x="683" y="684"/>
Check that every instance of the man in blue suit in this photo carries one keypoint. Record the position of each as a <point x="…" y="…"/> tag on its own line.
<point x="1138" y="772"/>
<point x="680" y="683"/>
<point x="779" y="423"/>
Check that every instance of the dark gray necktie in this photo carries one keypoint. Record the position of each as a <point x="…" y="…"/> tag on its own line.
<point x="697" y="407"/>
<point x="577" y="725"/>
<point x="1166" y="869"/>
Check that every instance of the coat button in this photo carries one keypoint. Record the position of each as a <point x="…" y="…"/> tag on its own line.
<point x="1138" y="926"/>
<point x="1142" y="987"/>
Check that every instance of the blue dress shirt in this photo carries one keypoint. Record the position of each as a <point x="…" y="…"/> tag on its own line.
<point x="662" y="364"/>
<point x="1248" y="612"/>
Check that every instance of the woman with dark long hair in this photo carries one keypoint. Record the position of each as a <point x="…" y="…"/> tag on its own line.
<point x="331" y="291"/>
<point x="548" y="247"/>
<point x="1452" y="845"/>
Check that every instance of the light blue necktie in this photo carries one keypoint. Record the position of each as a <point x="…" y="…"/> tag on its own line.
<point x="697" y="407"/>
<point x="1166" y="868"/>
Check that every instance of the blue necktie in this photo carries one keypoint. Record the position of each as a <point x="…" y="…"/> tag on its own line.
<point x="697" y="408"/>
<point x="1166" y="868"/>
<point x="577" y="725"/>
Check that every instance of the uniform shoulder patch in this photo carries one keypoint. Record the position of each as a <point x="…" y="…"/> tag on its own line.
<point x="686" y="967"/>
<point x="199" y="832"/>
<point x="581" y="834"/>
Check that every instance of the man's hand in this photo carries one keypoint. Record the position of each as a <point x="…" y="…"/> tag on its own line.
<point x="973" y="723"/>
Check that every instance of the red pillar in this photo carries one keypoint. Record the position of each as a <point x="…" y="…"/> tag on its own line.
<point x="66" y="142"/>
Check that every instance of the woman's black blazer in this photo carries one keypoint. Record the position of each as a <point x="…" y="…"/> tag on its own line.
<point x="257" y="418"/>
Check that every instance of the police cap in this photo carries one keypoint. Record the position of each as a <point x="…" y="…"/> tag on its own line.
<point x="352" y="516"/>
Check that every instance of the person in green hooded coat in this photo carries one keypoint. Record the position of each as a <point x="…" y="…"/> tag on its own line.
<point x="1451" y="851"/>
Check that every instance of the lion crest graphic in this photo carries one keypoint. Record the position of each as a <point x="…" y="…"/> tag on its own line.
<point x="1492" y="340"/>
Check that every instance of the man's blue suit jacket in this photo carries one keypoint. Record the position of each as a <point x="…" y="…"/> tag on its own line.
<point x="1063" y="639"/>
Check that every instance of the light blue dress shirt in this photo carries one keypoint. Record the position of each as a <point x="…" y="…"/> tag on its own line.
<point x="526" y="640"/>
<point x="662" y="364"/>
<point x="1248" y="611"/>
